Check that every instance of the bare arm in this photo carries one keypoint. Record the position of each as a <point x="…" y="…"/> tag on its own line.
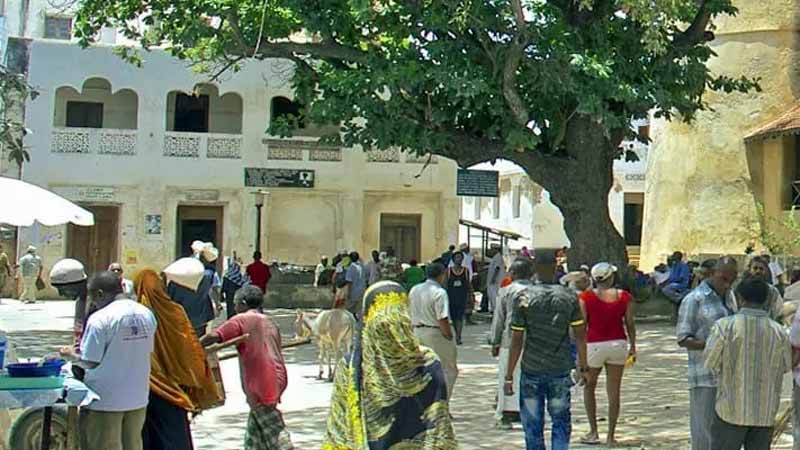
<point x="68" y="353"/>
<point x="216" y="295"/>
<point x="444" y="326"/>
<point x="514" y="353"/>
<point x="630" y="326"/>
<point x="691" y="343"/>
<point x="210" y="339"/>
<point x="579" y="331"/>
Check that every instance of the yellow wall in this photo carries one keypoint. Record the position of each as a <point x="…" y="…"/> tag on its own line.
<point x="698" y="191"/>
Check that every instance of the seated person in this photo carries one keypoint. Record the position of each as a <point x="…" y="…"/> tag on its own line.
<point x="677" y="285"/>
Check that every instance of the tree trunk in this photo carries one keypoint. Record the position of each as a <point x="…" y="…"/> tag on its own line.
<point x="580" y="190"/>
<point x="589" y="227"/>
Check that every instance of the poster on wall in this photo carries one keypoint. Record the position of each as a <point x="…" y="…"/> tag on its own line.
<point x="131" y="257"/>
<point x="152" y="224"/>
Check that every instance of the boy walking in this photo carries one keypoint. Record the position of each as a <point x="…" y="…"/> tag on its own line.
<point x="750" y="353"/>
<point x="262" y="369"/>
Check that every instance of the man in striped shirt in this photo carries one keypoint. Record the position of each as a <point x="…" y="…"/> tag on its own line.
<point x="750" y="353"/>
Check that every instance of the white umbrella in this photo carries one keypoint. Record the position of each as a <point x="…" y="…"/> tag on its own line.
<point x="22" y="204"/>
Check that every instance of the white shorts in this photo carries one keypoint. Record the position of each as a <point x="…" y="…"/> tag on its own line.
<point x="598" y="354"/>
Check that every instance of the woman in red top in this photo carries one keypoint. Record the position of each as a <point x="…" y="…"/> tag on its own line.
<point x="609" y="313"/>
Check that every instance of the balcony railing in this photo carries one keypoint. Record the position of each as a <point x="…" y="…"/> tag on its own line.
<point x="214" y="145"/>
<point x="295" y="150"/>
<point x="102" y="141"/>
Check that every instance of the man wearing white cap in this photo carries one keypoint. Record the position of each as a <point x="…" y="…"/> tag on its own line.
<point x="68" y="276"/>
<point x="30" y="266"/>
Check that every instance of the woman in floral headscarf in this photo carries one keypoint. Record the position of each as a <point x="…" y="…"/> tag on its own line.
<point x="180" y="380"/>
<point x="390" y="394"/>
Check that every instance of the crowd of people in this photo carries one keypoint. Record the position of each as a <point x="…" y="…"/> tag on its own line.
<point x="139" y="343"/>
<point x="553" y="329"/>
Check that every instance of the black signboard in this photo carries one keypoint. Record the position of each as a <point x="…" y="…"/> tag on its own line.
<point x="477" y="183"/>
<point x="278" y="178"/>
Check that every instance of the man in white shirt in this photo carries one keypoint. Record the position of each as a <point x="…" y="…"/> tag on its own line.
<point x="115" y="352"/>
<point x="497" y="271"/>
<point x="430" y="317"/>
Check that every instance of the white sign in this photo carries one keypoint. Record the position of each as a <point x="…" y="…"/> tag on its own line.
<point x="633" y="181"/>
<point x="86" y="193"/>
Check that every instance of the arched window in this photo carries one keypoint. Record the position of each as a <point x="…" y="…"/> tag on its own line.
<point x="204" y="110"/>
<point x="291" y="111"/>
<point x="96" y="106"/>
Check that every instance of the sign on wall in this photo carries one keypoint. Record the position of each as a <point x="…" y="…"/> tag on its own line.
<point x="152" y="224"/>
<point x="85" y="193"/>
<point x="477" y="183"/>
<point x="278" y="178"/>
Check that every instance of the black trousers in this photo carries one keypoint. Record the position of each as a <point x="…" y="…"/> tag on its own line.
<point x="166" y="426"/>
<point x="726" y="436"/>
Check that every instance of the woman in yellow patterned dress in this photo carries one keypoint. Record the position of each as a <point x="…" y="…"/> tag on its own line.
<point x="390" y="394"/>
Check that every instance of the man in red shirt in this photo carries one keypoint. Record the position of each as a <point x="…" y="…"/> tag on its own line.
<point x="263" y="372"/>
<point x="259" y="272"/>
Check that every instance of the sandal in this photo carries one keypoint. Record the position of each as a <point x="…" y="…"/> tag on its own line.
<point x="590" y="439"/>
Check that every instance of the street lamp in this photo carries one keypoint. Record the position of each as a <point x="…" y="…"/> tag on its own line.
<point x="259" y="200"/>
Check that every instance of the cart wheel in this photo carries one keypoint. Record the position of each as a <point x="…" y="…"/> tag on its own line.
<point x="26" y="431"/>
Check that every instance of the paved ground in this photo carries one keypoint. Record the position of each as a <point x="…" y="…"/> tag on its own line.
<point x="655" y="399"/>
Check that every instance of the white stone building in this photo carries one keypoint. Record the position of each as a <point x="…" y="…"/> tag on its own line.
<point x="159" y="155"/>
<point x="525" y="208"/>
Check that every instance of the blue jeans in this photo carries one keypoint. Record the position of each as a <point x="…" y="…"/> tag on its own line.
<point x="554" y="390"/>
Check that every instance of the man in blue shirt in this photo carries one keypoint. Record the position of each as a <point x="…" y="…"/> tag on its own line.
<point x="677" y="285"/>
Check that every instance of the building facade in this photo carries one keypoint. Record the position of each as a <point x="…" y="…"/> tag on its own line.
<point x="163" y="157"/>
<point x="705" y="179"/>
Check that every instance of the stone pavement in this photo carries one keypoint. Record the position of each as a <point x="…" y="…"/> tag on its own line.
<point x="654" y="410"/>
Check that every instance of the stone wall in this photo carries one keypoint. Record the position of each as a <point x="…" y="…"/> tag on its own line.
<point x="699" y="196"/>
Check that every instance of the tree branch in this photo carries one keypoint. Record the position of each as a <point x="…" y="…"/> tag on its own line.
<point x="513" y="59"/>
<point x="468" y="150"/>
<point x="696" y="33"/>
<point x="233" y="20"/>
<point x="228" y="64"/>
<point x="322" y="50"/>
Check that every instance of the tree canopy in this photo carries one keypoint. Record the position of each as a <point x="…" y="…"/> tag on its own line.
<point x="549" y="84"/>
<point x="472" y="80"/>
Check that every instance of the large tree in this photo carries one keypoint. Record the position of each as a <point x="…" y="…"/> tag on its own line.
<point x="551" y="85"/>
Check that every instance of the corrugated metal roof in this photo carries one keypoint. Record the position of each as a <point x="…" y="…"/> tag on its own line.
<point x="786" y="123"/>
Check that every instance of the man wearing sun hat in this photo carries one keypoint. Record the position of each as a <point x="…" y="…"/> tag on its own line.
<point x="68" y="276"/>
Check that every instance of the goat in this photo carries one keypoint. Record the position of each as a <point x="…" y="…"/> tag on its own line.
<point x="333" y="330"/>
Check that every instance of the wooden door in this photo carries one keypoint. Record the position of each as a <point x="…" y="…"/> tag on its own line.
<point x="202" y="223"/>
<point x="96" y="246"/>
<point x="402" y="233"/>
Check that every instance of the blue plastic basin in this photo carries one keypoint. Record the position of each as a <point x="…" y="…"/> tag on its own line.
<point x="34" y="370"/>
